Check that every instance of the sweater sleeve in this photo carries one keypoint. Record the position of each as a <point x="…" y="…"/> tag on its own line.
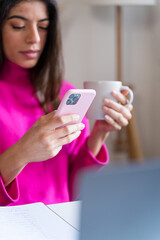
<point x="9" y="194"/>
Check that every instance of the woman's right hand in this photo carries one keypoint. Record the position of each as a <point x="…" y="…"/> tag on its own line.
<point x="42" y="141"/>
<point x="46" y="137"/>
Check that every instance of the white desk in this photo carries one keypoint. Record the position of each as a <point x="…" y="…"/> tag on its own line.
<point x="70" y="212"/>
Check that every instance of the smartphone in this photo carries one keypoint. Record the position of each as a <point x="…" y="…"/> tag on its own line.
<point x="76" y="101"/>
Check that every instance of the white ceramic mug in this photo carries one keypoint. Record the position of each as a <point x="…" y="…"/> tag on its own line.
<point x="103" y="90"/>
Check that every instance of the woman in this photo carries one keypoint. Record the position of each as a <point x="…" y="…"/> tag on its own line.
<point x="39" y="160"/>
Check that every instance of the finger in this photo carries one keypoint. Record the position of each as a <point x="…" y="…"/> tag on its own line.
<point x="68" y="138"/>
<point x="124" y="110"/>
<point x="120" y="97"/>
<point x="124" y="92"/>
<point x="59" y="121"/>
<point x="118" y="117"/>
<point x="67" y="130"/>
<point x="129" y="107"/>
<point x="112" y="123"/>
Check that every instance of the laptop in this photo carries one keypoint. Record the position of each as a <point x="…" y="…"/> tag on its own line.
<point x="121" y="203"/>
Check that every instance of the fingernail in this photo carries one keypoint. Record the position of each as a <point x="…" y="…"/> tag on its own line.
<point x="107" y="117"/>
<point x="78" y="133"/>
<point x="81" y="126"/>
<point x="106" y="101"/>
<point x="105" y="108"/>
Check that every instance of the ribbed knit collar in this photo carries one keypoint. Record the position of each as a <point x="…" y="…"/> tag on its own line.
<point x="14" y="74"/>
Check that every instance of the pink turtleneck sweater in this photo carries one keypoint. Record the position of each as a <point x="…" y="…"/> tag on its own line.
<point x="50" y="181"/>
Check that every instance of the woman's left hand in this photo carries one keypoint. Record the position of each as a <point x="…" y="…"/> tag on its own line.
<point x="117" y="115"/>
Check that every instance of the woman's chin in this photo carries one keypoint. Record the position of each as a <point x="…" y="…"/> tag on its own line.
<point x="27" y="64"/>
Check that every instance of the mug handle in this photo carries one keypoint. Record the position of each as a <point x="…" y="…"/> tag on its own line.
<point x="131" y="95"/>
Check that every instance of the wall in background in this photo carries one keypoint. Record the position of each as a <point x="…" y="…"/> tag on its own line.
<point x="90" y="54"/>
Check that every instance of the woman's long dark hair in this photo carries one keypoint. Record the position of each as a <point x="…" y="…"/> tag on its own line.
<point x="47" y="75"/>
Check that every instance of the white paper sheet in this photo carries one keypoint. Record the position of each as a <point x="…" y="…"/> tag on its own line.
<point x="70" y="211"/>
<point x="34" y="222"/>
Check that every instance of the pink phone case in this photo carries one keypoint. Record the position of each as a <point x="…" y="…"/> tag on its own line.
<point x="69" y="105"/>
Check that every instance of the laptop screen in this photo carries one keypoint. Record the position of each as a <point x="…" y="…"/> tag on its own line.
<point x="121" y="203"/>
